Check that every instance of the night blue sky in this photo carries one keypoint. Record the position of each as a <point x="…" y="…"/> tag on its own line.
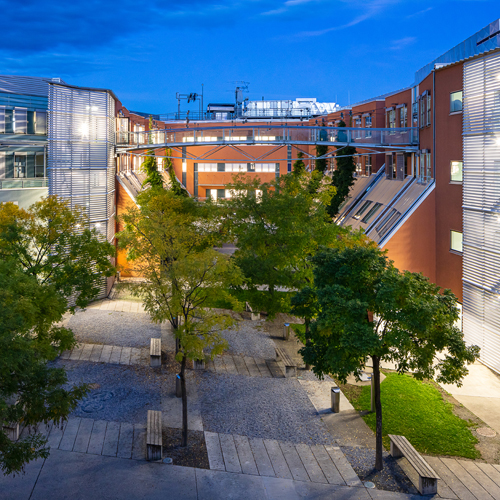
<point x="147" y="51"/>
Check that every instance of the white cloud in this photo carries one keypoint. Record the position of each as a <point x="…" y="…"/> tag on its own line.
<point x="402" y="43"/>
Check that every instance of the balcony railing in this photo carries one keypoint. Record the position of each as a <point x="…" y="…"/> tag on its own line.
<point x="23" y="183"/>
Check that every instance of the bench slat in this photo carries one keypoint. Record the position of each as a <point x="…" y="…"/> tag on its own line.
<point x="155" y="349"/>
<point x="412" y="455"/>
<point x="284" y="357"/>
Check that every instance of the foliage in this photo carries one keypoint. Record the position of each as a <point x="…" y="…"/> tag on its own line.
<point x="321" y="163"/>
<point x="276" y="232"/>
<point x="299" y="167"/>
<point x="343" y="176"/>
<point x="367" y="308"/>
<point x="175" y="185"/>
<point x="429" y="422"/>
<point x="52" y="242"/>
<point x="47" y="258"/>
<point x="150" y="168"/>
<point x="170" y="241"/>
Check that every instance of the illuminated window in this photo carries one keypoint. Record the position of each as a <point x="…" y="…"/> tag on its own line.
<point x="403" y="116"/>
<point x="362" y="210"/>
<point x="456" y="171"/>
<point x="456" y="241"/>
<point x="371" y="213"/>
<point x="456" y="99"/>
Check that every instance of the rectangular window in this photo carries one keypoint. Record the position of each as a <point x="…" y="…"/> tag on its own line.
<point x="456" y="99"/>
<point x="368" y="124"/>
<point x="403" y="116"/>
<point x="456" y="241"/>
<point x="371" y="213"/>
<point x="456" y="171"/>
<point x="429" y="110"/>
<point x="39" y="166"/>
<point x="362" y="210"/>
<point x="19" y="166"/>
<point x="221" y="193"/>
<point x="368" y="165"/>
<point x="2" y="120"/>
<point x="391" y="118"/>
<point x="9" y="121"/>
<point x="20" y="120"/>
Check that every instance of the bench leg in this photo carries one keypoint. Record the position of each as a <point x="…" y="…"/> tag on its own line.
<point x="395" y="451"/>
<point x="153" y="452"/>
<point x="255" y="316"/>
<point x="427" y="485"/>
<point x="155" y="361"/>
<point x="290" y="371"/>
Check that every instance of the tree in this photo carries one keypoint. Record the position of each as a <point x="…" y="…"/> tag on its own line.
<point x="343" y="176"/>
<point x="31" y="392"/>
<point x="368" y="308"/>
<point x="299" y="167"/>
<point x="276" y="231"/>
<point x="170" y="240"/>
<point x="52" y="242"/>
<point x="49" y="264"/>
<point x="175" y="185"/>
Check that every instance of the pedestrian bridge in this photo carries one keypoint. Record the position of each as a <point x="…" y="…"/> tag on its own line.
<point x="273" y="135"/>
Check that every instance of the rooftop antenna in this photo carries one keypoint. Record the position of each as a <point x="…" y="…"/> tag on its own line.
<point x="240" y="88"/>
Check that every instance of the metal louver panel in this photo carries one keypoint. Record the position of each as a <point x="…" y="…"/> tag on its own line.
<point x="481" y="206"/>
<point x="81" y="149"/>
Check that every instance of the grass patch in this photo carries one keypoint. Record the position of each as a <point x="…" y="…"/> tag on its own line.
<point x="418" y="411"/>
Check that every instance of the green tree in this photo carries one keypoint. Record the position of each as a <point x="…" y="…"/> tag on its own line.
<point x="299" y="167"/>
<point x="50" y="262"/>
<point x="275" y="232"/>
<point x="53" y="242"/>
<point x="343" y="176"/>
<point x="175" y="185"/>
<point x="369" y="309"/>
<point x="150" y="168"/>
<point x="170" y="239"/>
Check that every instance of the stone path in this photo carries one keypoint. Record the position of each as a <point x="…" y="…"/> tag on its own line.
<point x="114" y="354"/>
<point x="246" y="365"/>
<point x="97" y="437"/>
<point x="117" y="305"/>
<point x="461" y="479"/>
<point x="271" y="458"/>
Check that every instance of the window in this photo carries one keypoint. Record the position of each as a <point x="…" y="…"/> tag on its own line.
<point x="456" y="242"/>
<point x="403" y="116"/>
<point x="391" y="118"/>
<point x="20" y="120"/>
<point x="362" y="210"/>
<point x="371" y="213"/>
<point x="456" y="171"/>
<point x="425" y="109"/>
<point x="221" y="193"/>
<point x="368" y="124"/>
<point x="429" y="110"/>
<point x="357" y="124"/>
<point x="368" y="165"/>
<point x="456" y="99"/>
<point x="19" y="166"/>
<point x="39" y="166"/>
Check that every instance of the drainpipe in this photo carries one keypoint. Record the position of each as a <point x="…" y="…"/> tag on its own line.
<point x="434" y="124"/>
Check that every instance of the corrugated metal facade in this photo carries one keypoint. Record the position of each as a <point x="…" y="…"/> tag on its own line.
<point x="481" y="206"/>
<point x="81" y="153"/>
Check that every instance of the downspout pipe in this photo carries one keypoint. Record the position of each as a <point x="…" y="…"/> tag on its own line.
<point x="434" y="124"/>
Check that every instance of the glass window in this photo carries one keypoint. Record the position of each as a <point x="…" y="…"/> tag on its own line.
<point x="20" y="120"/>
<point x="372" y="211"/>
<point x="19" y="166"/>
<point x="456" y="242"/>
<point x="456" y="99"/>
<point x="39" y="167"/>
<point x="456" y="171"/>
<point x="429" y="110"/>
<point x="403" y="116"/>
<point x="2" y="120"/>
<point x="221" y="193"/>
<point x="368" y="165"/>
<point x="362" y="210"/>
<point x="9" y="121"/>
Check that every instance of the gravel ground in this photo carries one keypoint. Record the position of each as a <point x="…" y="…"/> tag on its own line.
<point x="260" y="407"/>
<point x="391" y="477"/>
<point x="250" y="340"/>
<point x="311" y="377"/>
<point x="113" y="328"/>
<point x="120" y="394"/>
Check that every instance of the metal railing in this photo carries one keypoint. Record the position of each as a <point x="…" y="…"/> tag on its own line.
<point x="23" y="183"/>
<point x="280" y="134"/>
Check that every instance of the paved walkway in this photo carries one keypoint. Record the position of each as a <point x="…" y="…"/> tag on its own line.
<point x="114" y="354"/>
<point x="246" y="365"/>
<point x="117" y="305"/>
<point x="271" y="458"/>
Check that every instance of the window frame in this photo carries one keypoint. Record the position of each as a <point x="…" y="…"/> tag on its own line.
<point x="459" y="111"/>
<point x="455" y="181"/>
<point x="371" y="213"/>
<point x="454" y="250"/>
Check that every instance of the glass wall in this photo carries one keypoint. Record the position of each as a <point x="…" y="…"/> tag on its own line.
<point x="22" y="121"/>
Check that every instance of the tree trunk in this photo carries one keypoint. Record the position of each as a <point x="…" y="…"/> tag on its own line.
<point x="184" y="404"/>
<point x="379" y="465"/>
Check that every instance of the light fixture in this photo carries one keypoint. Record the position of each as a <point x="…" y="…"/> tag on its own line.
<point x="98" y="225"/>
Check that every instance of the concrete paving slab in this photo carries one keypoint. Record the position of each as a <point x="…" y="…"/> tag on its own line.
<point x="220" y="366"/>
<point x="349" y="429"/>
<point x="66" y="354"/>
<point x="230" y="366"/>
<point x="56" y="434"/>
<point x="241" y="365"/>
<point x="96" y="441"/>
<point x="317" y="491"/>
<point x="86" y="352"/>
<point x="76" y="352"/>
<point x="116" y="352"/>
<point x="83" y="436"/>
<point x="94" y="477"/>
<point x="172" y="411"/>
<point x="21" y="486"/>
<point x="262" y="460"/>
<point x="483" y="479"/>
<point x="278" y="461"/>
<point x="393" y="495"/>
<point x="214" y="452"/>
<point x="328" y="468"/>
<point x="490" y="471"/>
<point x="469" y="482"/>
<point x="452" y="482"/>
<point x="106" y="353"/>
<point x="70" y="432"/>
<point x="319" y="393"/>
<point x="311" y="465"/>
<point x="245" y="455"/>
<point x="125" y="356"/>
<point x="229" y="453"/>
<point x="481" y="381"/>
<point x="126" y="440"/>
<point x="263" y="368"/>
<point x="344" y="467"/>
<point x="96" y="353"/>
<point x="110" y="446"/>
<point x="135" y="356"/>
<point x="274" y="368"/>
<point x="139" y="447"/>
<point x="294" y="462"/>
<point x="252" y="368"/>
<point x="217" y="485"/>
<point x="486" y="408"/>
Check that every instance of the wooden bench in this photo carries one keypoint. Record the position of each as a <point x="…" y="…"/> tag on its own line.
<point x="154" y="441"/>
<point x="290" y="366"/>
<point x="427" y="478"/>
<point x="253" y="316"/>
<point x="155" y="353"/>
